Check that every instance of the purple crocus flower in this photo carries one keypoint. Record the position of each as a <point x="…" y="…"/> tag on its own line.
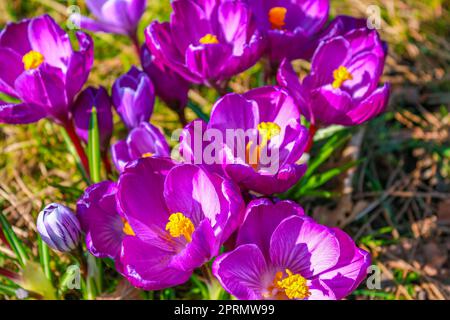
<point x="207" y="41"/>
<point x="267" y="139"/>
<point x="59" y="227"/>
<point x="114" y="16"/>
<point x="143" y="141"/>
<point x="342" y="86"/>
<point x="39" y="67"/>
<point x="133" y="96"/>
<point x="282" y="254"/>
<point x="180" y="215"/>
<point x="169" y="86"/>
<point x="82" y="109"/>
<point x="292" y="26"/>
<point x="105" y="228"/>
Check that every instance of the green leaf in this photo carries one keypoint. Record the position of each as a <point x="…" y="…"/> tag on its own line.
<point x="319" y="179"/>
<point x="7" y="290"/>
<point x="44" y="258"/>
<point x="334" y="143"/>
<point x="15" y="243"/>
<point x="94" y="147"/>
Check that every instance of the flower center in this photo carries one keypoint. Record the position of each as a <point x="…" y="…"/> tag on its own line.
<point x="209" y="39"/>
<point x="32" y="60"/>
<point x="267" y="130"/>
<point x="292" y="286"/>
<point x="180" y="225"/>
<point x="277" y="16"/>
<point x="341" y="75"/>
<point x="147" y="155"/>
<point x="127" y="228"/>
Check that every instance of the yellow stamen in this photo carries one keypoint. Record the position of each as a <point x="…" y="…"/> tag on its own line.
<point x="209" y="39"/>
<point x="147" y="155"/>
<point x="294" y="285"/>
<point x="32" y="60"/>
<point x="341" y="75"/>
<point x="180" y="225"/>
<point x="277" y="16"/>
<point x="268" y="130"/>
<point x="127" y="228"/>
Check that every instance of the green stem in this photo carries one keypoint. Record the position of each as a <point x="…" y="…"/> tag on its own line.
<point x="199" y="112"/>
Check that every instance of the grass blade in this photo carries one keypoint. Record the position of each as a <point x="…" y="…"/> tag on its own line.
<point x="15" y="243"/>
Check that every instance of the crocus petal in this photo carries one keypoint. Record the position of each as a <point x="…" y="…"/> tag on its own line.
<point x="140" y="195"/>
<point x="120" y="154"/>
<point x="165" y="80"/>
<point x="206" y="61"/>
<point x="11" y="67"/>
<point x="303" y="246"/>
<point x="116" y="13"/>
<point x="319" y="290"/>
<point x="97" y="26"/>
<point x="287" y="78"/>
<point x="45" y="87"/>
<point x="79" y="65"/>
<point x="330" y="106"/>
<point x="329" y="56"/>
<point x="47" y="38"/>
<point x="275" y="181"/>
<point x="266" y="215"/>
<point x="199" y="251"/>
<point x="350" y="270"/>
<point x="12" y="32"/>
<point x="146" y="138"/>
<point x="21" y="113"/>
<point x="186" y="189"/>
<point x="240" y="272"/>
<point x="187" y="33"/>
<point x="146" y="266"/>
<point x="233" y="111"/>
<point x="160" y="42"/>
<point x="100" y="220"/>
<point x="370" y="107"/>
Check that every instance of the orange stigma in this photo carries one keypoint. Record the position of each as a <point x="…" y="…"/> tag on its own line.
<point x="277" y="16"/>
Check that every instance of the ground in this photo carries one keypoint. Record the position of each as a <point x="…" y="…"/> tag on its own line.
<point x="395" y="202"/>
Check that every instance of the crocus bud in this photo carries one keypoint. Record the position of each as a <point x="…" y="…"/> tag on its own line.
<point x="59" y="227"/>
<point x="169" y="86"/>
<point x="89" y="98"/>
<point x="133" y="97"/>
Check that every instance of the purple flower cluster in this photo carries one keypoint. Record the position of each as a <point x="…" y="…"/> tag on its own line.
<point x="165" y="217"/>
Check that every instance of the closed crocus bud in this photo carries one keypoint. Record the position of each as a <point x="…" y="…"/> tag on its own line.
<point x="98" y="98"/>
<point x="133" y="97"/>
<point x="59" y="227"/>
